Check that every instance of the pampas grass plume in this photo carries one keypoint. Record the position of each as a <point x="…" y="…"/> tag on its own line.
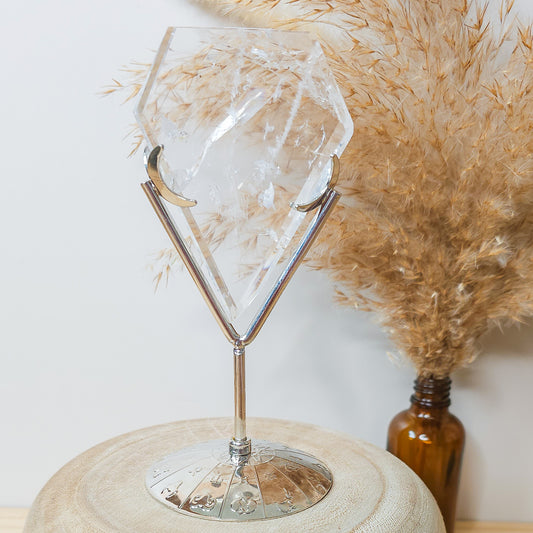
<point x="435" y="228"/>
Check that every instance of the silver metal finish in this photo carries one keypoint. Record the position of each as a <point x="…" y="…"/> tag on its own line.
<point x="239" y="380"/>
<point x="327" y="201"/>
<point x="204" y="481"/>
<point x="240" y="481"/>
<point x="152" y="168"/>
<point x="240" y="450"/>
<point x="313" y="204"/>
<point x="330" y="199"/>
<point x="163" y="215"/>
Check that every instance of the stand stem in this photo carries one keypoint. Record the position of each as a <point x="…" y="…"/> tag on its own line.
<point x="239" y="432"/>
<point x="240" y="446"/>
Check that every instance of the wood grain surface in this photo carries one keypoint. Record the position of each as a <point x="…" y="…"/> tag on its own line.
<point x="102" y="490"/>
<point x="12" y="521"/>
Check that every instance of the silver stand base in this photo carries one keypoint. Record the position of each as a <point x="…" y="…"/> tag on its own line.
<point x="206" y="481"/>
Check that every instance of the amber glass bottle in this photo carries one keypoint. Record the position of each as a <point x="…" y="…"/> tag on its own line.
<point x="429" y="439"/>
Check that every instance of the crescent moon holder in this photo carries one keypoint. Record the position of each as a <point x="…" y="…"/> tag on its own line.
<point x="239" y="480"/>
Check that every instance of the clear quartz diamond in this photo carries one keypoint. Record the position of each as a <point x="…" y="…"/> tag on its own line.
<point x="249" y="120"/>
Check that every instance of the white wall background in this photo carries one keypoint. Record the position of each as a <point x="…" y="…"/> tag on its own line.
<point x="87" y="351"/>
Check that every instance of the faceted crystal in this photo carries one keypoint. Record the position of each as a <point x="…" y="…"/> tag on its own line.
<point x="249" y="120"/>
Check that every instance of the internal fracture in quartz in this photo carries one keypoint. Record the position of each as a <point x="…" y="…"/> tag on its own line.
<point x="249" y="120"/>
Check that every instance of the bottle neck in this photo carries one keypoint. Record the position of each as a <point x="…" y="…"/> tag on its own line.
<point x="431" y="393"/>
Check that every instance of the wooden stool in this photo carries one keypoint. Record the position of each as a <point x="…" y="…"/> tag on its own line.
<point x="103" y="491"/>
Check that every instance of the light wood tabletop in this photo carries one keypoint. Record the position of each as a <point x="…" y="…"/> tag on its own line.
<point x="12" y="521"/>
<point x="493" y="527"/>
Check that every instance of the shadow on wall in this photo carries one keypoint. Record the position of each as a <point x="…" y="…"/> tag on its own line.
<point x="473" y="480"/>
<point x="513" y="343"/>
<point x="493" y="402"/>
